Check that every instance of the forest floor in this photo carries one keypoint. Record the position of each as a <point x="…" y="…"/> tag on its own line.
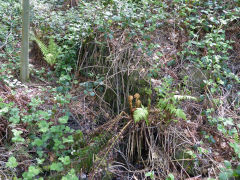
<point x="87" y="116"/>
<point x="86" y="123"/>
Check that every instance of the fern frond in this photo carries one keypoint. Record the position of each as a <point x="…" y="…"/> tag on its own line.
<point x="50" y="52"/>
<point x="42" y="46"/>
<point x="53" y="47"/>
<point x="141" y="114"/>
<point x="184" y="97"/>
<point x="180" y="113"/>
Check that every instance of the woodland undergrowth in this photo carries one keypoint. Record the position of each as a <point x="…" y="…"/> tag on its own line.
<point x="121" y="89"/>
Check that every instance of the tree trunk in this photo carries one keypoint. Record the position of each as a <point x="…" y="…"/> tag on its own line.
<point x="24" y="69"/>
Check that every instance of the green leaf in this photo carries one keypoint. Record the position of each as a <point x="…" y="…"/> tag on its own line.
<point x="170" y="177"/>
<point x="68" y="130"/>
<point x="4" y="110"/>
<point x="171" y="63"/>
<point x="65" y="160"/>
<point x="44" y="115"/>
<point x="150" y="174"/>
<point x="35" y="102"/>
<point x="56" y="166"/>
<point x="236" y="148"/>
<point x="140" y="114"/>
<point x="37" y="142"/>
<point x="63" y="119"/>
<point x="237" y="171"/>
<point x="27" y="118"/>
<point x="225" y="175"/>
<point x="185" y="97"/>
<point x="179" y="113"/>
<point x="69" y="139"/>
<point x="49" y="52"/>
<point x="17" y="137"/>
<point x="40" y="161"/>
<point x="12" y="162"/>
<point x="14" y="119"/>
<point x="191" y="153"/>
<point x="32" y="172"/>
<point x="43" y="126"/>
<point x="228" y="121"/>
<point x="71" y="175"/>
<point x="227" y="164"/>
<point x="92" y="93"/>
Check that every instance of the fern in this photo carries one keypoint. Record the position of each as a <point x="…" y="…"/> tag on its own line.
<point x="141" y="114"/>
<point x="184" y="97"/>
<point x="49" y="52"/>
<point x="172" y="108"/>
<point x="168" y="103"/>
<point x="179" y="113"/>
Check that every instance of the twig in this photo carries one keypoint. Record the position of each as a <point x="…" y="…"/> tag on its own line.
<point x="113" y="140"/>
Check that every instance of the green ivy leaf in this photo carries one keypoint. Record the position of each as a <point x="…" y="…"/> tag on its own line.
<point x="17" y="137"/>
<point x="27" y="118"/>
<point x="44" y="115"/>
<point x="68" y="130"/>
<point x="150" y="174"/>
<point x="71" y="175"/>
<point x="43" y="126"/>
<point x="228" y="121"/>
<point x="33" y="170"/>
<point x="65" y="160"/>
<point x="14" y="119"/>
<point x="236" y="148"/>
<point x="63" y="119"/>
<point x="35" y="102"/>
<point x="31" y="173"/>
<point x="4" y="110"/>
<point x="40" y="161"/>
<point x="37" y="142"/>
<point x="69" y="139"/>
<point x="225" y="175"/>
<point x="12" y="162"/>
<point x="227" y="164"/>
<point x="56" y="167"/>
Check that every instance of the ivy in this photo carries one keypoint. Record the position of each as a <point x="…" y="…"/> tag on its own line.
<point x="12" y="162"/>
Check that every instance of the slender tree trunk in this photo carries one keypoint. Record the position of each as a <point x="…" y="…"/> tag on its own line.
<point x="24" y="69"/>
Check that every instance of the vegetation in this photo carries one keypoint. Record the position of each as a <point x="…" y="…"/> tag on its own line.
<point x="76" y="117"/>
